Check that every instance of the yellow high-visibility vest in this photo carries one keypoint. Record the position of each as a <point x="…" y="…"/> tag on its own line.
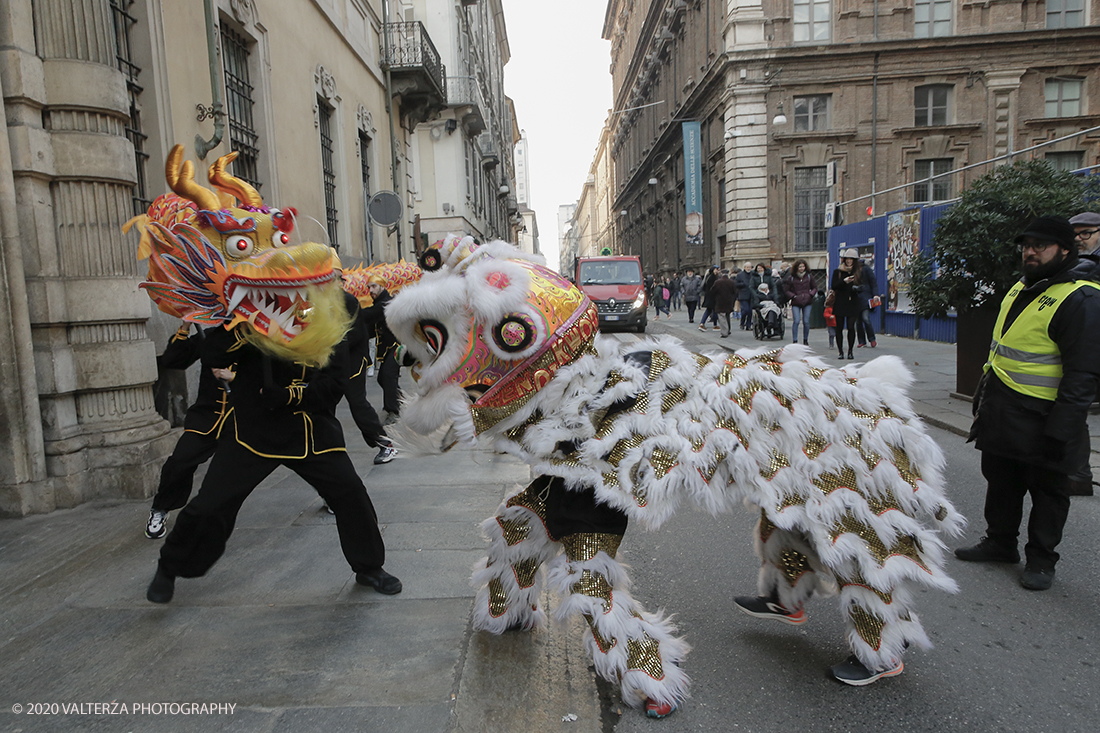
<point x="1025" y="358"/>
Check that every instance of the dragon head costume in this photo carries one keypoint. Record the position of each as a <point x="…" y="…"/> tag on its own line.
<point x="221" y="257"/>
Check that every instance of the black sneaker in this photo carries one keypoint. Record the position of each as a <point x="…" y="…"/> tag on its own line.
<point x="988" y="550"/>
<point x="768" y="607"/>
<point x="161" y="588"/>
<point x="852" y="672"/>
<point x="1037" y="578"/>
<point x="380" y="580"/>
<point x="154" y="528"/>
<point x="386" y="453"/>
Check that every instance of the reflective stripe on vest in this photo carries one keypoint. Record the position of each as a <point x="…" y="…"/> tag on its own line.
<point x="1026" y="358"/>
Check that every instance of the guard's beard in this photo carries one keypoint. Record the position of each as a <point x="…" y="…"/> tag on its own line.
<point x="1034" y="272"/>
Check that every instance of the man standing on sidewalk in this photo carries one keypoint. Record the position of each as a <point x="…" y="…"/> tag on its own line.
<point x="1031" y="405"/>
<point x="692" y="286"/>
<point x="744" y="295"/>
<point x="725" y="298"/>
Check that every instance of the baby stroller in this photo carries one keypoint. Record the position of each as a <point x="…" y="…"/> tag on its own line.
<point x="767" y="316"/>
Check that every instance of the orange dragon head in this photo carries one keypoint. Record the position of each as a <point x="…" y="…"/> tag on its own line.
<point x="226" y="258"/>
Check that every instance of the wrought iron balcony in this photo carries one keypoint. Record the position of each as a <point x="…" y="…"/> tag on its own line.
<point x="490" y="156"/>
<point x="417" y="73"/>
<point x="464" y="93"/>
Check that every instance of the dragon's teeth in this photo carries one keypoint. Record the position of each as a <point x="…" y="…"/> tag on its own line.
<point x="238" y="296"/>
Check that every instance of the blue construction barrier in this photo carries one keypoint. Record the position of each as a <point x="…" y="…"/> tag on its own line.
<point x="871" y="239"/>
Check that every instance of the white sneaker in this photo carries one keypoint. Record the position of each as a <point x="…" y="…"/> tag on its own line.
<point x="155" y="528"/>
<point x="370" y="372"/>
<point x="386" y="453"/>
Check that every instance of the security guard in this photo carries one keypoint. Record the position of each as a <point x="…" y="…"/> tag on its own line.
<point x="1031" y="405"/>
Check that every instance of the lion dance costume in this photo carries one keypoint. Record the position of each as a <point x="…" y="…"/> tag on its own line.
<point x="848" y="484"/>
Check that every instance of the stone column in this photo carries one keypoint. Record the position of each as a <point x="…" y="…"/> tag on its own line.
<point x="1003" y="87"/>
<point x="73" y="170"/>
<point x="22" y="456"/>
<point x="747" y="174"/>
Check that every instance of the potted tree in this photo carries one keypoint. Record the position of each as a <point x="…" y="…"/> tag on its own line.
<point x="973" y="261"/>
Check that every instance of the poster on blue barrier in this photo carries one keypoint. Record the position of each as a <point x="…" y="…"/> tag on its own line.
<point x="902" y="246"/>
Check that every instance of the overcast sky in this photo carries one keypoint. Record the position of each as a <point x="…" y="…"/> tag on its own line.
<point x="559" y="77"/>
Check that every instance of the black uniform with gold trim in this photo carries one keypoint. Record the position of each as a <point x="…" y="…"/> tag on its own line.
<point x="278" y="416"/>
<point x="200" y="426"/>
<point x="389" y="370"/>
<point x="350" y="362"/>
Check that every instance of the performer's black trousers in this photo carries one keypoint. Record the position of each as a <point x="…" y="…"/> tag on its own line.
<point x="176" y="476"/>
<point x="364" y="414"/>
<point x="388" y="374"/>
<point x="1009" y="480"/>
<point x="577" y="512"/>
<point x="203" y="527"/>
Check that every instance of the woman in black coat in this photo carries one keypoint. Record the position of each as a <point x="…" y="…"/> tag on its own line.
<point x="708" y="300"/>
<point x="846" y="306"/>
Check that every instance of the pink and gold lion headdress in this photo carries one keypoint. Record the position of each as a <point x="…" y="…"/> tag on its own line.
<point x="490" y="326"/>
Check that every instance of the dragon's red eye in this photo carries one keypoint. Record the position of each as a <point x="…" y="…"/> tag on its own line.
<point x="282" y="238"/>
<point x="239" y="246"/>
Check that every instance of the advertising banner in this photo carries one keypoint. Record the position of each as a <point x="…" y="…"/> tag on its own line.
<point x="693" y="184"/>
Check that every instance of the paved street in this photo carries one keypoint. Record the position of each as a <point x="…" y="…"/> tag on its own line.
<point x="280" y="630"/>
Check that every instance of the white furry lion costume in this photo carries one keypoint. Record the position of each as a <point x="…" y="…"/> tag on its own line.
<point x="849" y="486"/>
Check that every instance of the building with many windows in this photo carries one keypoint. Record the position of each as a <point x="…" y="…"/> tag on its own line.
<point x="862" y="103"/>
<point x="464" y="171"/>
<point x="327" y="103"/>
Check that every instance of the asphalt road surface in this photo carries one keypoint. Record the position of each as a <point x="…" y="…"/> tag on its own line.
<point x="1005" y="659"/>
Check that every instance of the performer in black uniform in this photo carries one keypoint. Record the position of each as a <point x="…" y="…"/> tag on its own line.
<point x="200" y="429"/>
<point x="389" y="367"/>
<point x="351" y="362"/>
<point x="281" y="413"/>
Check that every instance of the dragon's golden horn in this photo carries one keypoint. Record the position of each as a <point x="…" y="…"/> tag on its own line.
<point x="181" y="179"/>
<point x="225" y="181"/>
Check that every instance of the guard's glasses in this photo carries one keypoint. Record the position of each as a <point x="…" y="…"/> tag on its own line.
<point x="1037" y="246"/>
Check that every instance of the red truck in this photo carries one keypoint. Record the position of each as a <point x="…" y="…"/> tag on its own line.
<point x="615" y="285"/>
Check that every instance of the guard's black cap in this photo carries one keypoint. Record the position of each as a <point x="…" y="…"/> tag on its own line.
<point x="1055" y="229"/>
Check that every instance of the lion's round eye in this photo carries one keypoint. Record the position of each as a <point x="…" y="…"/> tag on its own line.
<point x="434" y="334"/>
<point x="280" y="239"/>
<point x="239" y="246"/>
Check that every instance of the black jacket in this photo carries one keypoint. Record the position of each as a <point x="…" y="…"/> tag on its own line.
<point x="847" y="299"/>
<point x="744" y="284"/>
<point x="866" y="288"/>
<point x="210" y="405"/>
<point x="1053" y="434"/>
<point x="708" y="289"/>
<point x="375" y="317"/>
<point x="278" y="409"/>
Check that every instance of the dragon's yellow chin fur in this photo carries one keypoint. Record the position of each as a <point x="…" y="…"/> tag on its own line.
<point x="329" y="321"/>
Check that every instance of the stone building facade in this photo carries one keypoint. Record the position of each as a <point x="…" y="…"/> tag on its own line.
<point x="858" y="102"/>
<point x="465" y="155"/>
<point x="327" y="102"/>
<point x="594" y="224"/>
